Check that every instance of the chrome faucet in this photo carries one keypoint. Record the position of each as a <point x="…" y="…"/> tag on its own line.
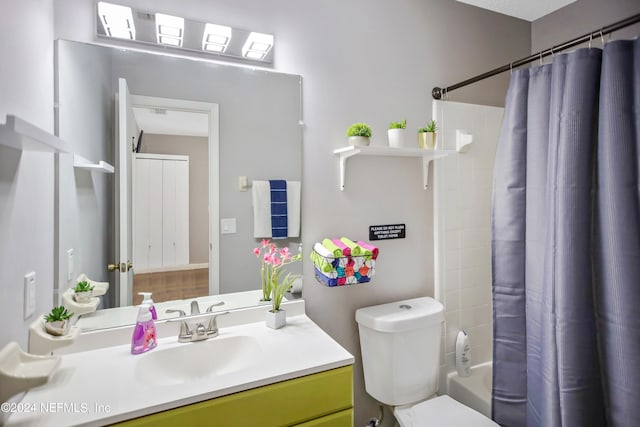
<point x="192" y="328"/>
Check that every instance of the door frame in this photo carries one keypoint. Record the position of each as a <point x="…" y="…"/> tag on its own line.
<point x="212" y="111"/>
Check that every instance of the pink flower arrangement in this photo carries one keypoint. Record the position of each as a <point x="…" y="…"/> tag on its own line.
<point x="274" y="285"/>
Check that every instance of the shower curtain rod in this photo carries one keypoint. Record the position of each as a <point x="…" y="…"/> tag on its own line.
<point x="438" y="92"/>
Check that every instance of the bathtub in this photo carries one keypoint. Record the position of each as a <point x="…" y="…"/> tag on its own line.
<point x="473" y="391"/>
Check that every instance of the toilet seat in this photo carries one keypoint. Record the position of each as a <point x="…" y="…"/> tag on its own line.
<point x="442" y="411"/>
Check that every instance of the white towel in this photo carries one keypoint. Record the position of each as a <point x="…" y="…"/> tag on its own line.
<point x="261" y="197"/>
<point x="323" y="252"/>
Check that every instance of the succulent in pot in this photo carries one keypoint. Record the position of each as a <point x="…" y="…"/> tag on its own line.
<point x="82" y="292"/>
<point x="359" y="134"/>
<point x="427" y="135"/>
<point x="57" y="321"/>
<point x="396" y="134"/>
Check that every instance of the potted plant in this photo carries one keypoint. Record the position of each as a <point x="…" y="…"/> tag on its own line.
<point x="359" y="134"/>
<point x="274" y="280"/>
<point x="57" y="321"/>
<point x="82" y="292"/>
<point x="396" y="134"/>
<point x="427" y="136"/>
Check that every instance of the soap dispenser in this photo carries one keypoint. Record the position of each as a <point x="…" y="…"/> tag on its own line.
<point x="144" y="333"/>
<point x="146" y="299"/>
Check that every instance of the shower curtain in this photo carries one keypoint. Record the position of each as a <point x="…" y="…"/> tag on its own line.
<point x="566" y="243"/>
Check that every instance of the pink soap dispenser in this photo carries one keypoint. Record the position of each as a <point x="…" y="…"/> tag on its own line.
<point x="144" y="333"/>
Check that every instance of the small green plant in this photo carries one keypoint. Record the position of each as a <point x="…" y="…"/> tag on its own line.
<point x="58" y="314"/>
<point x="359" y="129"/>
<point x="398" y="125"/>
<point x="430" y="127"/>
<point x="83" y="286"/>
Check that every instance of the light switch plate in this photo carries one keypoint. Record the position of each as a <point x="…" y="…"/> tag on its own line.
<point x="29" y="294"/>
<point x="227" y="226"/>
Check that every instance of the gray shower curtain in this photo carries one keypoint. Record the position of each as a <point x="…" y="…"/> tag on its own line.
<point x="566" y="243"/>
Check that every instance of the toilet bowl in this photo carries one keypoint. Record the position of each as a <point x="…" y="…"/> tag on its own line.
<point x="400" y="344"/>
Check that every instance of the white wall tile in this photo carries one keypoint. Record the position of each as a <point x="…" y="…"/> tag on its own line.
<point x="472" y="297"/>
<point x="452" y="260"/>
<point x="474" y="257"/>
<point x="452" y="300"/>
<point x="475" y="238"/>
<point x="475" y="316"/>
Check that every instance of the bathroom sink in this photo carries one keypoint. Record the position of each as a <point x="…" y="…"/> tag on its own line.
<point x="196" y="361"/>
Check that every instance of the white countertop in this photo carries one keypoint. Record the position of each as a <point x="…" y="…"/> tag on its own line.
<point x="99" y="387"/>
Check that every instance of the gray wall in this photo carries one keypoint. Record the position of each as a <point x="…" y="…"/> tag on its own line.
<point x="26" y="178"/>
<point x="196" y="148"/>
<point x="580" y="18"/>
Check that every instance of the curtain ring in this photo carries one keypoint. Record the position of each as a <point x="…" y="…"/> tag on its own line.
<point x="511" y="67"/>
<point x="602" y="37"/>
<point x="590" y="39"/>
<point x="540" y="57"/>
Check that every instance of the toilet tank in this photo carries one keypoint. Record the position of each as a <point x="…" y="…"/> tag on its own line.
<point x="400" y="344"/>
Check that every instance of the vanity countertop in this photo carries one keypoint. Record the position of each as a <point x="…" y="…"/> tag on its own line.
<point x="100" y="387"/>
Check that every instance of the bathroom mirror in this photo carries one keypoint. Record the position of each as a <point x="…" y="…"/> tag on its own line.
<point x="259" y="136"/>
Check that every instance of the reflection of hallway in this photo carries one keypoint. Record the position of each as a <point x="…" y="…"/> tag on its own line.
<point x="174" y="283"/>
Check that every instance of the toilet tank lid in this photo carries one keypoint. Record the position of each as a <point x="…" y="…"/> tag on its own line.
<point x="401" y="315"/>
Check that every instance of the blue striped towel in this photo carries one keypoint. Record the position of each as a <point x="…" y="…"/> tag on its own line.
<point x="279" y="220"/>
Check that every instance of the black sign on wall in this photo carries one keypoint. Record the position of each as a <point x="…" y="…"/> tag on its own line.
<point x="384" y="232"/>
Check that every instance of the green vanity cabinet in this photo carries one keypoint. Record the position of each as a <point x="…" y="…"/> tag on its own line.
<point x="324" y="399"/>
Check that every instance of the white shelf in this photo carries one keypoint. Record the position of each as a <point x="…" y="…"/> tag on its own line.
<point x="82" y="163"/>
<point x="354" y="150"/>
<point x="21" y="135"/>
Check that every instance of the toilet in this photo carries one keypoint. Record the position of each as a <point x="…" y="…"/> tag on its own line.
<point x="400" y="345"/>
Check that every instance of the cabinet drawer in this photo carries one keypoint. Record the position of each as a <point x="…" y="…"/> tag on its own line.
<point x="339" y="419"/>
<point x="282" y="404"/>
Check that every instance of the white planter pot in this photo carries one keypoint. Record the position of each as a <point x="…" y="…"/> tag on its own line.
<point x="57" y="328"/>
<point x="276" y="320"/>
<point x="397" y="138"/>
<point x="358" y="140"/>
<point x="82" y="297"/>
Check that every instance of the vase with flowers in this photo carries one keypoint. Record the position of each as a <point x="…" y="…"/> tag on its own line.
<point x="276" y="281"/>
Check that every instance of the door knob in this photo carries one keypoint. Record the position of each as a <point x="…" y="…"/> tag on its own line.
<point x="113" y="267"/>
<point x="129" y="265"/>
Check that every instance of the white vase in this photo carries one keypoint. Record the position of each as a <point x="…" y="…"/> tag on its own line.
<point x="57" y="328"/>
<point x="358" y="140"/>
<point x="397" y="138"/>
<point x="82" y="297"/>
<point x="276" y="320"/>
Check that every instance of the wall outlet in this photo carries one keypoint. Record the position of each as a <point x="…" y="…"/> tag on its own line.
<point x="29" y="294"/>
<point x="70" y="265"/>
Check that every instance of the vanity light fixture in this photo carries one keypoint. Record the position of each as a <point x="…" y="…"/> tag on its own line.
<point x="216" y="38"/>
<point x="169" y="29"/>
<point x="117" y="20"/>
<point x="257" y="45"/>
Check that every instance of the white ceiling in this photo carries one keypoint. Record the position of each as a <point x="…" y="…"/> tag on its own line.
<point x="529" y="10"/>
<point x="171" y="122"/>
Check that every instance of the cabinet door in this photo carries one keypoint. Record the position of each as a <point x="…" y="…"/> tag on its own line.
<point x="155" y="214"/>
<point x="169" y="213"/>
<point x="181" y="207"/>
<point x="148" y="214"/>
<point x="141" y="214"/>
